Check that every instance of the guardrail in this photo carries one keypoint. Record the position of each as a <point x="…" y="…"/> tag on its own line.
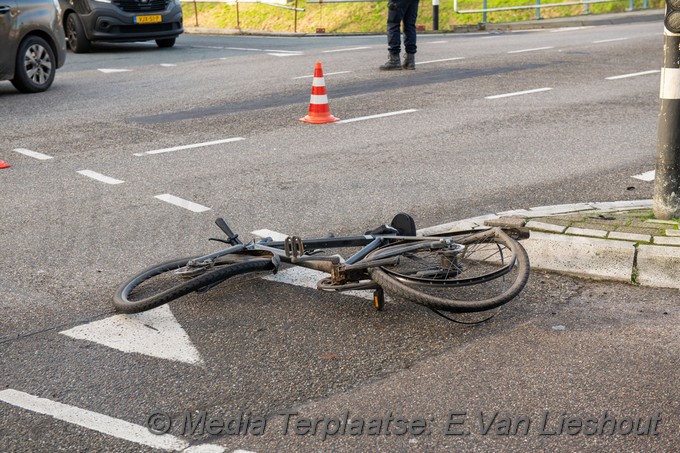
<point x="538" y="5"/>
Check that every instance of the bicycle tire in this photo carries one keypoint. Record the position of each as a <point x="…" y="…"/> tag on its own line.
<point x="123" y="304"/>
<point x="504" y="281"/>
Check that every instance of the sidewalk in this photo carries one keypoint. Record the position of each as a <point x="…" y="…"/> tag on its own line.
<point x="612" y="240"/>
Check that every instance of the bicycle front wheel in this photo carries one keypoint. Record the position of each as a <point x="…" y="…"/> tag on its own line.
<point x="478" y="272"/>
<point x="163" y="283"/>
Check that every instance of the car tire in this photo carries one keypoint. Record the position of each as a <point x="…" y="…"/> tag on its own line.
<point x="35" y="65"/>
<point x="165" y="43"/>
<point x="75" y="35"/>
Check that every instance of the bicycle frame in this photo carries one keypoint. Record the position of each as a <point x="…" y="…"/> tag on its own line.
<point x="293" y="250"/>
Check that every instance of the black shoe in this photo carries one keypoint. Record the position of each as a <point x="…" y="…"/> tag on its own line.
<point x="409" y="61"/>
<point x="393" y="62"/>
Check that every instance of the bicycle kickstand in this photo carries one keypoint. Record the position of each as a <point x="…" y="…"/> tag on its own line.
<point x="379" y="299"/>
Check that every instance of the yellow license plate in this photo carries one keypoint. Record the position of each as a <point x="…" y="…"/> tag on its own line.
<point x="148" y="19"/>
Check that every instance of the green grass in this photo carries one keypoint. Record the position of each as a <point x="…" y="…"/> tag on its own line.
<point x="370" y="17"/>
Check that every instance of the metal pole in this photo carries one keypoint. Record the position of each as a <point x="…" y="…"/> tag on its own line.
<point x="667" y="181"/>
<point x="484" y="5"/>
<point x="538" y="10"/>
<point x="196" y="13"/>
<point x="586" y="8"/>
<point x="296" y="11"/>
<point x="238" y="18"/>
<point x="435" y="15"/>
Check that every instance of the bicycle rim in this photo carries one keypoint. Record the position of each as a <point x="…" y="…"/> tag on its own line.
<point x="163" y="283"/>
<point x="487" y="270"/>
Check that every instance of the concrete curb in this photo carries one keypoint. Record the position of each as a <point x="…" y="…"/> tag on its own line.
<point x="636" y="258"/>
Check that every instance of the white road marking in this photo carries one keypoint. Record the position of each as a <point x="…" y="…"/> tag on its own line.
<point x="437" y="42"/>
<point x="92" y="420"/>
<point x="168" y="65"/>
<point x="635" y="74"/>
<point x="531" y="50"/>
<point x="325" y="74"/>
<point x="182" y="203"/>
<point x="348" y="49"/>
<point x="99" y="177"/>
<point x="301" y="276"/>
<point x="155" y="333"/>
<point x="264" y="233"/>
<point x="646" y="176"/>
<point x="33" y="154"/>
<point x="195" y="145"/>
<point x="557" y="30"/>
<point x="283" y="54"/>
<point x="609" y="40"/>
<point x="438" y="61"/>
<point x="518" y="93"/>
<point x="381" y="115"/>
<point x="112" y="71"/>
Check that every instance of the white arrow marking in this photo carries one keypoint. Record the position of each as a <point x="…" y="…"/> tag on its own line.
<point x="646" y="176"/>
<point x="155" y="333"/>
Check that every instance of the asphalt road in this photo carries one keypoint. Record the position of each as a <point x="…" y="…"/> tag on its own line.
<point x="487" y="122"/>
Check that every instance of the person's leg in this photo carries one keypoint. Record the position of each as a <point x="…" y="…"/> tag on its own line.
<point x="410" y="17"/>
<point x="394" y="17"/>
<point x="410" y="9"/>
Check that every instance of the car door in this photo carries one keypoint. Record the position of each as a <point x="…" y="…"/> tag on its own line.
<point x="8" y="10"/>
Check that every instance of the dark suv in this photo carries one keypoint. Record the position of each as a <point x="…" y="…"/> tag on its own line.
<point x="32" y="44"/>
<point x="121" y="20"/>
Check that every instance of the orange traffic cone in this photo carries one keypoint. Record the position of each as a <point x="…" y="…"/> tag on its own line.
<point x="319" y="111"/>
<point x="4" y="164"/>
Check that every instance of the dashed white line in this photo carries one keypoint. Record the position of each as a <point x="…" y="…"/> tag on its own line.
<point x="195" y="145"/>
<point x="609" y="40"/>
<point x="99" y="177"/>
<point x="531" y="50"/>
<point x="380" y="115"/>
<point x="112" y="71"/>
<point x="635" y="74"/>
<point x="646" y="176"/>
<point x="168" y="65"/>
<point x="283" y="54"/>
<point x="182" y="203"/>
<point x="325" y="74"/>
<point x="33" y="154"/>
<point x="348" y="49"/>
<point x="437" y="42"/>
<point x="438" y="61"/>
<point x="517" y="93"/>
<point x="92" y="420"/>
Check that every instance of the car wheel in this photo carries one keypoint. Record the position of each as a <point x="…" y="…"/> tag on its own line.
<point x="35" y="66"/>
<point x="75" y="34"/>
<point x="163" y="43"/>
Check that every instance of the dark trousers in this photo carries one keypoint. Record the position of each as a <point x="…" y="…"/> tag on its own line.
<point x="406" y="11"/>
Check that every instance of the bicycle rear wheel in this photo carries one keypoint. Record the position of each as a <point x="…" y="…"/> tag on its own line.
<point x="161" y="284"/>
<point x="479" y="272"/>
